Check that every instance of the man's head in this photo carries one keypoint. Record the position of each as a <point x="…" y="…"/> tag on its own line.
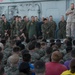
<point x="51" y="18"/>
<point x="69" y="49"/>
<point x="17" y="18"/>
<point x="39" y="67"/>
<point x="56" y="56"/>
<point x="72" y="6"/>
<point x="24" y="68"/>
<point x="45" y="20"/>
<point x="16" y="50"/>
<point x="72" y="66"/>
<point x="32" y="18"/>
<point x="73" y="53"/>
<point x="3" y="17"/>
<point x="26" y="57"/>
<point x="62" y="18"/>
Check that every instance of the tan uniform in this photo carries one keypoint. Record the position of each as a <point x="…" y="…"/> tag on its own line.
<point x="70" y="27"/>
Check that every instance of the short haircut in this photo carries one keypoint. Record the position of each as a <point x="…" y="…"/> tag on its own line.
<point x="73" y="53"/>
<point x="31" y="46"/>
<point x="52" y="40"/>
<point x="72" y="66"/>
<point x="69" y="38"/>
<point x="21" y="73"/>
<point x="52" y="44"/>
<point x="22" y="46"/>
<point x="56" y="56"/>
<point x="48" y="50"/>
<point x="26" y="57"/>
<point x="50" y="16"/>
<point x="3" y="14"/>
<point x="1" y="56"/>
<point x="69" y="49"/>
<point x="1" y="70"/>
<point x="38" y="45"/>
<point x="16" y="49"/>
<point x="24" y="68"/>
<point x="39" y="66"/>
<point x="69" y="43"/>
<point x="25" y="51"/>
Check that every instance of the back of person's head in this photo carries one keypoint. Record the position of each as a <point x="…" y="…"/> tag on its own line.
<point x="52" y="40"/>
<point x="43" y="40"/>
<point x="1" y="70"/>
<point x="69" y="43"/>
<point x="72" y="66"/>
<point x="74" y="42"/>
<point x="0" y="49"/>
<point x="73" y="53"/>
<point x="26" y="57"/>
<point x="22" y="46"/>
<point x="69" y="49"/>
<point x="58" y="43"/>
<point x="13" y="59"/>
<point x="37" y="45"/>
<point x="1" y="56"/>
<point x="18" y="42"/>
<point x="52" y="44"/>
<point x="3" y="41"/>
<point x="24" y="68"/>
<point x="56" y="56"/>
<point x="31" y="46"/>
<point x="16" y="49"/>
<point x="69" y="39"/>
<point x="25" y="51"/>
<point x="58" y="40"/>
<point x="39" y="67"/>
<point x="48" y="50"/>
<point x="21" y="73"/>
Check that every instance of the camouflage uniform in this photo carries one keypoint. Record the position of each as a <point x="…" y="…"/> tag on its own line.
<point x="62" y="29"/>
<point x="46" y="31"/>
<point x="15" y="28"/>
<point x="70" y="27"/>
<point x="5" y="27"/>
<point x="41" y="52"/>
<point x="46" y="58"/>
<point x="34" y="56"/>
<point x="11" y="70"/>
<point x="52" y="29"/>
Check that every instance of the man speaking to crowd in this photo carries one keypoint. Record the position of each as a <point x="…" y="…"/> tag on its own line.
<point x="70" y="27"/>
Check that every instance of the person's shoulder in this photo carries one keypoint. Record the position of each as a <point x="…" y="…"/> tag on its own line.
<point x="68" y="61"/>
<point x="67" y="72"/>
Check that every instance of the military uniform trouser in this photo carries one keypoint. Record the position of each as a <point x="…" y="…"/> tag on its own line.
<point x="70" y="29"/>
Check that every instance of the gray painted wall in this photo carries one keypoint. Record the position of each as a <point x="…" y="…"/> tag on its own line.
<point x="41" y="8"/>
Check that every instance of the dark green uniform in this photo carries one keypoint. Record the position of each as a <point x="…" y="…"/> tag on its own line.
<point x="25" y="28"/>
<point x="62" y="29"/>
<point x="32" y="29"/>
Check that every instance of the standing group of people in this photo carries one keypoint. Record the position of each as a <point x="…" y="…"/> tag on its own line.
<point x="47" y="28"/>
